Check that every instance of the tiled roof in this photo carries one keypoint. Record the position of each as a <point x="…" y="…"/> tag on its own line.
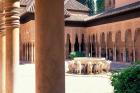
<point x="30" y="7"/>
<point x="115" y="11"/>
<point x="75" y="5"/>
<point x="25" y="2"/>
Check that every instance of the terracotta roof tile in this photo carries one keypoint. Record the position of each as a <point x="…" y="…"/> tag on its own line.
<point x="75" y="5"/>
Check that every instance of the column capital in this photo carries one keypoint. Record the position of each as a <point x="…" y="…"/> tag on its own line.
<point x="12" y="14"/>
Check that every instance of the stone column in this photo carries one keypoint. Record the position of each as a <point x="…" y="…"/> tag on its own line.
<point x="134" y="52"/>
<point x="100" y="51"/>
<point x="0" y="61"/>
<point x="124" y="52"/>
<point x="49" y="44"/>
<point x="106" y="46"/>
<point x="32" y="52"/>
<point x="114" y="52"/>
<point x="12" y="41"/>
<point x="2" y="54"/>
<point x="86" y="49"/>
<point x="3" y="62"/>
<point x="91" y="50"/>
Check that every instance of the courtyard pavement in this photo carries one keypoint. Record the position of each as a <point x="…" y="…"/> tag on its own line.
<point x="25" y="81"/>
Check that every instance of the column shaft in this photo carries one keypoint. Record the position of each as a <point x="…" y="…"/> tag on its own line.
<point x="12" y="42"/>
<point x="114" y="52"/>
<point x="49" y="44"/>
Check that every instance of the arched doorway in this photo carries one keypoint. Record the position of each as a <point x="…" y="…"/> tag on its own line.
<point x="110" y="46"/>
<point x="137" y="45"/>
<point x="128" y="45"/>
<point x="119" y="43"/>
<point x="103" y="45"/>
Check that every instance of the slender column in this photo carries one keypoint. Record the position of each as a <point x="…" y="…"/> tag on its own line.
<point x="114" y="52"/>
<point x="72" y="47"/>
<point x="12" y="42"/>
<point x="100" y="51"/>
<point x="106" y="51"/>
<point x="80" y="47"/>
<point x="25" y="52"/>
<point x="0" y="61"/>
<point x="49" y="44"/>
<point x="134" y="52"/>
<point x="91" y="50"/>
<point x="32" y="52"/>
<point x="86" y="49"/>
<point x="3" y="56"/>
<point x="124" y="52"/>
<point x="3" y="62"/>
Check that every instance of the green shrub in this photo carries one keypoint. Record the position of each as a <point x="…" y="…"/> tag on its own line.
<point x="127" y="80"/>
<point x="75" y="54"/>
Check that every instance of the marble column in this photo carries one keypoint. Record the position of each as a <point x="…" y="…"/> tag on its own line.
<point x="2" y="54"/>
<point x="49" y="46"/>
<point x="134" y="52"/>
<point x="114" y="52"/>
<point x="91" y="50"/>
<point x="106" y="51"/>
<point x="72" y="47"/>
<point x="100" y="51"/>
<point x="0" y="61"/>
<point x="32" y="52"/>
<point x="86" y="49"/>
<point x="124" y="52"/>
<point x="12" y="41"/>
<point x="3" y="62"/>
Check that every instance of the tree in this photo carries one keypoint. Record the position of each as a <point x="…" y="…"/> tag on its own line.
<point x="100" y="6"/>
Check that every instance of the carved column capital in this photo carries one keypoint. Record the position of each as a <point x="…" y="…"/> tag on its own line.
<point x="12" y="14"/>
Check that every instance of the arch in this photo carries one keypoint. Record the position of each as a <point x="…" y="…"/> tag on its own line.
<point x="76" y="45"/>
<point x="129" y="46"/>
<point x="137" y="44"/>
<point x="119" y="45"/>
<point x="103" y="45"/>
<point x="110" y="46"/>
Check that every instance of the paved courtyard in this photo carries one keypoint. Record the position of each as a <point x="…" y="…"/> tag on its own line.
<point x="25" y="81"/>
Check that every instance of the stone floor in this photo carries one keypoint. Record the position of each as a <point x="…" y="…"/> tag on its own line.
<point x="25" y="81"/>
<point x="88" y="84"/>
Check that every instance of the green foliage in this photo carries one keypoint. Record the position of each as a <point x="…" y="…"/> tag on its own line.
<point x="127" y="80"/>
<point x="100" y="5"/>
<point x="95" y="6"/>
<point x="75" y="54"/>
